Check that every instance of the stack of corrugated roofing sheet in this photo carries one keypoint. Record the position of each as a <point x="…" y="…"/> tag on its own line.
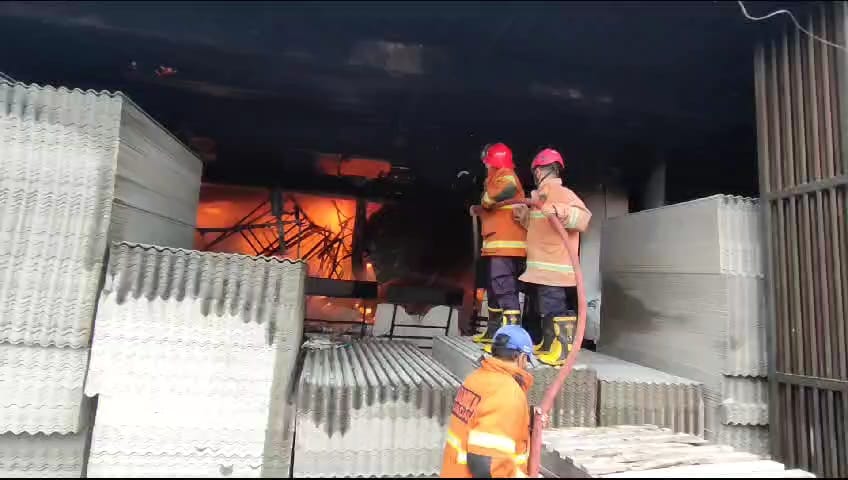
<point x="42" y="455"/>
<point x="42" y="411"/>
<point x="70" y="159"/>
<point x="193" y="359"/>
<point x="683" y="293"/>
<point x="646" y="451"/>
<point x="601" y="390"/>
<point x="631" y="393"/>
<point x="41" y="389"/>
<point x="574" y="406"/>
<point x="372" y="408"/>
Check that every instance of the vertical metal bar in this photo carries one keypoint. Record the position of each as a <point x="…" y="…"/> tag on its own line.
<point x="800" y="112"/>
<point x="828" y="98"/>
<point x="768" y="253"/>
<point x="813" y="100"/>
<point x="786" y="95"/>
<point x="842" y="432"/>
<point x="777" y="179"/>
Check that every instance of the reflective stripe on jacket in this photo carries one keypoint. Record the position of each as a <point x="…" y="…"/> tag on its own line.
<point x="548" y="262"/>
<point x="502" y="235"/>
<point x="491" y="417"/>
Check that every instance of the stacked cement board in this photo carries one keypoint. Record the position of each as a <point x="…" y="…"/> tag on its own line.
<point x="683" y="293"/>
<point x="601" y="390"/>
<point x="371" y="408"/>
<point x="633" y="394"/>
<point x="65" y="161"/>
<point x="43" y="415"/>
<point x="647" y="451"/>
<point x="193" y="357"/>
<point x="574" y="406"/>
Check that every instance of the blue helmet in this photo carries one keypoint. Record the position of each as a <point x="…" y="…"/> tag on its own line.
<point x="518" y="340"/>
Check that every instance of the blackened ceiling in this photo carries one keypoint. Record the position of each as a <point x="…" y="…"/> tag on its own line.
<point x="421" y="84"/>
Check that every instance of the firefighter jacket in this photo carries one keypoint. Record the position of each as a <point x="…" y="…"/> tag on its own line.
<point x="490" y="418"/>
<point x="502" y="235"/>
<point x="548" y="262"/>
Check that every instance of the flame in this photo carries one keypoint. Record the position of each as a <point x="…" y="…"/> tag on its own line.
<point x="331" y="221"/>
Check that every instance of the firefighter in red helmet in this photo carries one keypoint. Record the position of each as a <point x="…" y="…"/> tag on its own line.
<point x="503" y="240"/>
<point x="549" y="266"/>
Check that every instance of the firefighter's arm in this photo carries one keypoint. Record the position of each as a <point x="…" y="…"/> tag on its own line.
<point x="573" y="215"/>
<point x="521" y="215"/>
<point x="492" y="450"/>
<point x="501" y="188"/>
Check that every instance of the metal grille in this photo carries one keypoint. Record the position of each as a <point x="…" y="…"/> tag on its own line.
<point x="801" y="120"/>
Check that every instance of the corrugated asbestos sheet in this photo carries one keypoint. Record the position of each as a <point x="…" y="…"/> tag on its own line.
<point x="683" y="292"/>
<point x="646" y="451"/>
<point x="602" y="390"/>
<point x="726" y="238"/>
<point x="41" y="389"/>
<point x="42" y="455"/>
<point x="193" y="359"/>
<point x="372" y="408"/>
<point x="633" y="394"/>
<point x="73" y="163"/>
<point x="70" y="159"/>
<point x="574" y="406"/>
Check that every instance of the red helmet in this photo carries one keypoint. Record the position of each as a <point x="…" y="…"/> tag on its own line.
<point x="547" y="157"/>
<point x="497" y="155"/>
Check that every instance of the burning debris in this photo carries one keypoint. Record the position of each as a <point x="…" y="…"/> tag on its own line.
<point x="318" y="230"/>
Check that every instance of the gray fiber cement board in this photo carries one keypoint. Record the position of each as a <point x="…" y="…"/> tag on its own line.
<point x="723" y="230"/>
<point x="371" y="408"/>
<point x="696" y="326"/>
<point x="602" y="390"/>
<point x="41" y="389"/>
<point x="193" y="360"/>
<point x="69" y="156"/>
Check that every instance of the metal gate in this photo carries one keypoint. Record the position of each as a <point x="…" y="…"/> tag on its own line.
<point x="802" y="120"/>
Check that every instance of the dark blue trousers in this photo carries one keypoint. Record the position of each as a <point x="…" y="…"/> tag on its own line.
<point x="503" y="288"/>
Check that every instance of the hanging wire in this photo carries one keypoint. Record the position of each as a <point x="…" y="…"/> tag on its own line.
<point x="794" y="20"/>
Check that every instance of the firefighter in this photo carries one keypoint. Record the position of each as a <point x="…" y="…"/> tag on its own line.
<point x="503" y="240"/>
<point x="489" y="431"/>
<point x="549" y="266"/>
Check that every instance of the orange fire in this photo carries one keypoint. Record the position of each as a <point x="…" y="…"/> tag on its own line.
<point x="331" y="220"/>
<point x="323" y="239"/>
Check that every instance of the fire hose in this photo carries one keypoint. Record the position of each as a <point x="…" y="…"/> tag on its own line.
<point x="541" y="411"/>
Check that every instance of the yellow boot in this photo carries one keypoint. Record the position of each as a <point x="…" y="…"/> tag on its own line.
<point x="510" y="317"/>
<point x="549" y="334"/>
<point x="563" y="329"/>
<point x="493" y="323"/>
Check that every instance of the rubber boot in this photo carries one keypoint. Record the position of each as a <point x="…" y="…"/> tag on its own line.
<point x="549" y="333"/>
<point x="548" y="336"/>
<point x="494" y="322"/>
<point x="563" y="328"/>
<point x="510" y="317"/>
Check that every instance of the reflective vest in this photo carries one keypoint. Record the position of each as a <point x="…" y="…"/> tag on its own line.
<point x="491" y="417"/>
<point x="502" y="235"/>
<point x="548" y="262"/>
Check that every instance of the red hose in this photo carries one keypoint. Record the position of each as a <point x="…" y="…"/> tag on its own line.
<point x="554" y="388"/>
